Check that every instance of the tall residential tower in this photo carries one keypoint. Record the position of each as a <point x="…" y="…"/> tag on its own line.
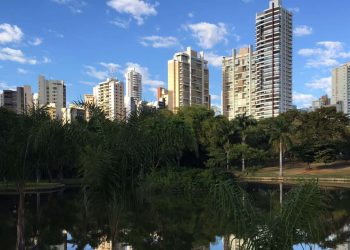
<point x="109" y="96"/>
<point x="341" y="87"/>
<point x="274" y="38"/>
<point x="133" y="89"/>
<point x="238" y="83"/>
<point x="188" y="80"/>
<point x="53" y="93"/>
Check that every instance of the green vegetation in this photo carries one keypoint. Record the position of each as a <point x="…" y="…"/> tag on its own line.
<point x="189" y="150"/>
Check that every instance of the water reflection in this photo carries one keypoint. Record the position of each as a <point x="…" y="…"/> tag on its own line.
<point x="165" y="222"/>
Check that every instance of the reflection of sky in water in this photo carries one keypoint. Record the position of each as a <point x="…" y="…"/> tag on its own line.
<point x="218" y="245"/>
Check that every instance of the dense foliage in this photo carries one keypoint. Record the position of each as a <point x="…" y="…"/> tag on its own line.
<point x="156" y="150"/>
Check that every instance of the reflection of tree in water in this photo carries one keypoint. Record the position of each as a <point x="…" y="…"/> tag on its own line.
<point x="176" y="221"/>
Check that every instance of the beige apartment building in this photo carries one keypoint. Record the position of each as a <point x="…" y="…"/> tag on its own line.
<point x="274" y="38"/>
<point x="238" y="83"/>
<point x="52" y="92"/>
<point x="109" y="96"/>
<point x="188" y="80"/>
<point x="341" y="87"/>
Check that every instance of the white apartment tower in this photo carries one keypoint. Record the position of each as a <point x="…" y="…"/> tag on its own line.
<point x="341" y="87"/>
<point x="238" y="83"/>
<point x="109" y="96"/>
<point x="52" y="92"/>
<point x="188" y="80"/>
<point x="133" y="89"/>
<point x="274" y="38"/>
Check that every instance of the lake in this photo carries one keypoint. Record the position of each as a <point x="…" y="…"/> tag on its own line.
<point x="63" y="220"/>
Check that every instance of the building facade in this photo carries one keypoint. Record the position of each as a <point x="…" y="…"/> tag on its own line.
<point x="274" y="38"/>
<point x="188" y="80"/>
<point x="133" y="89"/>
<point x="341" y="87"/>
<point x="109" y="97"/>
<point x="19" y="100"/>
<point x="238" y="83"/>
<point x="52" y="91"/>
<point x="323" y="101"/>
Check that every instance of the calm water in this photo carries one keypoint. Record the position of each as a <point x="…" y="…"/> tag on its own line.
<point x="62" y="221"/>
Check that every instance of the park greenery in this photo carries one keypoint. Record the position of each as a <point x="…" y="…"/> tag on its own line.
<point x="192" y="151"/>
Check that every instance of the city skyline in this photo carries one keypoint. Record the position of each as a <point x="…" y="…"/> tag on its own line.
<point x="63" y="47"/>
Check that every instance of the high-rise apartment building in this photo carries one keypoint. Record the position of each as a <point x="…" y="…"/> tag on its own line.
<point x="188" y="80"/>
<point x="238" y="83"/>
<point x="109" y="96"/>
<point x="274" y="38"/>
<point x="341" y="87"/>
<point x="19" y="100"/>
<point x="323" y="101"/>
<point x="133" y="89"/>
<point x="52" y="91"/>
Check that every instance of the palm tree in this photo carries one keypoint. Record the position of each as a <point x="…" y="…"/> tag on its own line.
<point x="280" y="137"/>
<point x="243" y="124"/>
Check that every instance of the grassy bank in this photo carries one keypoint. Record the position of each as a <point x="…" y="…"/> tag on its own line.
<point x="31" y="187"/>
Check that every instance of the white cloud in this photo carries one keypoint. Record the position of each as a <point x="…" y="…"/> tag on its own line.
<point x="36" y="41"/>
<point x="88" y="83"/>
<point x="22" y="71"/>
<point x="215" y="97"/>
<point x="208" y="34"/>
<point x="94" y="73"/>
<point x="302" y="30"/>
<point x="213" y="59"/>
<point x="159" y="41"/>
<point x="324" y="84"/>
<point x="190" y="15"/>
<point x="147" y="79"/>
<point x="110" y="70"/>
<point x="138" y="9"/>
<point x="294" y="10"/>
<point x="10" y="33"/>
<point x="15" y="55"/>
<point x="46" y="60"/>
<point x="75" y="6"/>
<point x="55" y="33"/>
<point x="5" y="86"/>
<point x="326" y="54"/>
<point x="303" y="100"/>
<point x="124" y="24"/>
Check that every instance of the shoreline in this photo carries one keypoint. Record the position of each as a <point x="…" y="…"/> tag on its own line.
<point x="323" y="181"/>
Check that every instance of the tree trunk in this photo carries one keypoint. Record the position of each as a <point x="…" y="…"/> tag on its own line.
<point x="243" y="160"/>
<point x="281" y="158"/>
<point x="281" y="193"/>
<point x="20" y="245"/>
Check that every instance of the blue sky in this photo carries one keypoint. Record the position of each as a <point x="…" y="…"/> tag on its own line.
<point x="85" y="41"/>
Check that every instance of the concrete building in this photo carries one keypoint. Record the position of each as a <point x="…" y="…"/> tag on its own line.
<point x="238" y="83"/>
<point x="19" y="100"/>
<point x="133" y="89"/>
<point x="274" y="38"/>
<point x="52" y="91"/>
<point x="89" y="100"/>
<point x="188" y="80"/>
<point x="73" y="113"/>
<point x="341" y="87"/>
<point x="323" y="101"/>
<point x="162" y="95"/>
<point x="109" y="96"/>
